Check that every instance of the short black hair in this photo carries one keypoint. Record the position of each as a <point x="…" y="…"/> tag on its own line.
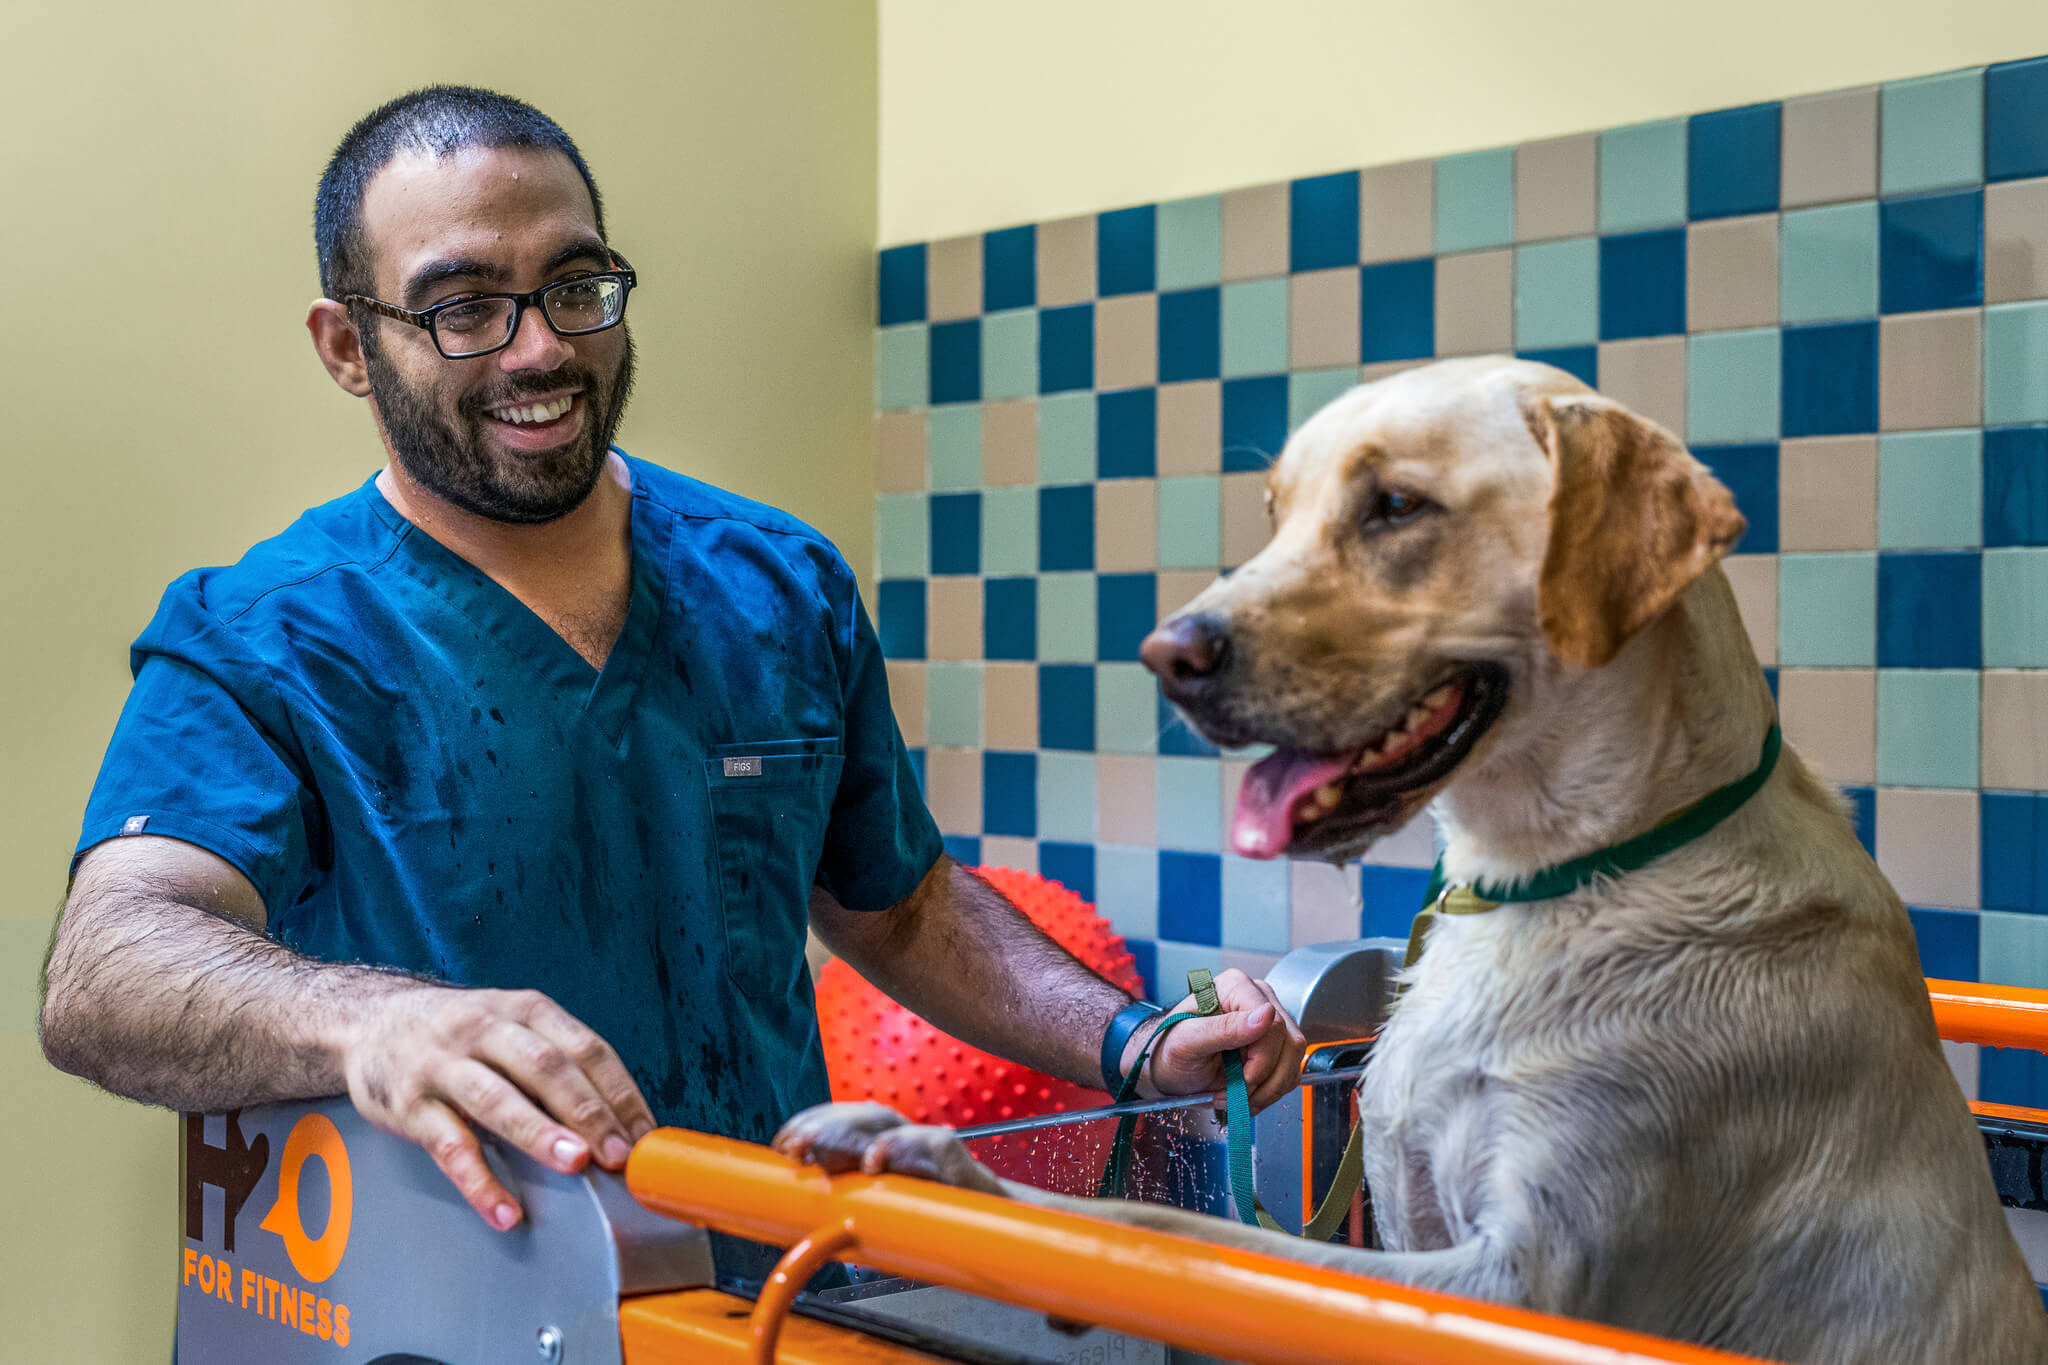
<point x="437" y="120"/>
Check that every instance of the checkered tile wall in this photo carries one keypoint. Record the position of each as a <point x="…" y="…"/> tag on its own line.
<point x="1840" y="300"/>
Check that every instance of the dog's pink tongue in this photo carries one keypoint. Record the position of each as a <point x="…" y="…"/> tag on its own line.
<point x="1264" y="824"/>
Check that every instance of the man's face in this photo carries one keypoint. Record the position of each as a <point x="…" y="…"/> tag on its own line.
<point x="483" y="221"/>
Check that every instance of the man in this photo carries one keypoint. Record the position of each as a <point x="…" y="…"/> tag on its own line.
<point x="499" y="792"/>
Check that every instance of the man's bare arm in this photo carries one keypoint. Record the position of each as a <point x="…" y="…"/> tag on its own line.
<point x="161" y="986"/>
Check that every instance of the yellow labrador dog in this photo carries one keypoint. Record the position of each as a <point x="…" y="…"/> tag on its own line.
<point x="1703" y="1099"/>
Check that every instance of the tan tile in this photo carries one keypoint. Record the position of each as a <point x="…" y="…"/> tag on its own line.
<point x="953" y="277"/>
<point x="1731" y="273"/>
<point x="1255" y="232"/>
<point x="1647" y="376"/>
<point x="1827" y="493"/>
<point x="1412" y="845"/>
<point x="1322" y="318"/>
<point x="899" y="452"/>
<point x="1191" y="427"/>
<point x="1126" y="800"/>
<point x="1927" y="845"/>
<point x="1384" y="369"/>
<point x="906" y="697"/>
<point x="2016" y="241"/>
<point x="1830" y="147"/>
<point x="1475" y="303"/>
<point x="1830" y="716"/>
<point x="1246" y="527"/>
<point x="1126" y="525"/>
<point x="1127" y="341"/>
<point x="1009" y="443"/>
<point x="955" y="617"/>
<point x="1009" y="705"/>
<point x="1556" y="184"/>
<point x="1755" y="580"/>
<point x="1322" y="902"/>
<point x="1930" y="370"/>
<point x="1252" y="963"/>
<point x="1066" y="261"/>
<point x="1178" y="587"/>
<point x="1397" y="211"/>
<point x="1002" y="850"/>
<point x="953" y="789"/>
<point x="2015" y="723"/>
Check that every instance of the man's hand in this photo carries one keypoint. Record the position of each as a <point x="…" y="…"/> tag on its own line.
<point x="428" y="1062"/>
<point x="1189" y="1061"/>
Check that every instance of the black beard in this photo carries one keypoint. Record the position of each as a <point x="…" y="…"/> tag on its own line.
<point x="453" y="462"/>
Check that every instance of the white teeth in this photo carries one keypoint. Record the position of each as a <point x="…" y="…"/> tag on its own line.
<point x="1416" y="715"/>
<point x="539" y="412"/>
<point x="1438" y="697"/>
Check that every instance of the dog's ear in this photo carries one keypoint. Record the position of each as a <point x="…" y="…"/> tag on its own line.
<point x="1633" y="520"/>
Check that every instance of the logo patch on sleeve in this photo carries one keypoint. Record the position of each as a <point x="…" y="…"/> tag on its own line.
<point x="135" y="824"/>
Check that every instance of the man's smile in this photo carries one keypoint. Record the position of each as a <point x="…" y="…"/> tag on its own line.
<point x="538" y="423"/>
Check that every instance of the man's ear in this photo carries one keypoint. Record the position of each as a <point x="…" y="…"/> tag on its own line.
<point x="1633" y="520"/>
<point x="339" y="346"/>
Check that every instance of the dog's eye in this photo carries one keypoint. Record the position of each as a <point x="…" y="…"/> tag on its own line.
<point x="1394" y="508"/>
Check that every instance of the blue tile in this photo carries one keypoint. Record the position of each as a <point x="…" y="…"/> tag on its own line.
<point x="1771" y="681"/>
<point x="1732" y="162"/>
<point x="1642" y="284"/>
<point x="1829" y="385"/>
<point x="1751" y="473"/>
<point x="2012" y="1075"/>
<point x="1009" y="618"/>
<point x="1397" y="311"/>
<point x="1191" y="897"/>
<point x="901" y="281"/>
<point x="1009" y="794"/>
<point x="1126" y="434"/>
<point x="2016" y="119"/>
<point x="1190" y="334"/>
<point x="1392" y="895"/>
<point x="1863" y="815"/>
<point x="1948" y="943"/>
<point x="1322" y="222"/>
<point x="1126" y="609"/>
<point x="1066" y="527"/>
<point x="1066" y="348"/>
<point x="1145" y="958"/>
<point x="2016" y="486"/>
<point x="963" y="848"/>
<point x="1066" y="706"/>
<point x="1179" y="739"/>
<point x="1475" y="200"/>
<point x="1071" y="865"/>
<point x="1009" y="268"/>
<point x="1126" y="250"/>
<point x="1929" y="610"/>
<point x="956" y="361"/>
<point x="1254" y="422"/>
<point x="2012" y="842"/>
<point x="899" y="608"/>
<point x="1931" y="252"/>
<point x="956" y="533"/>
<point x="1582" y="361"/>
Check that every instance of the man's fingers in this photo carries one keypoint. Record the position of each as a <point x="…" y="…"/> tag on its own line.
<point x="625" y="1118"/>
<point x="448" y="1140"/>
<point x="557" y="1084"/>
<point x="507" y="1109"/>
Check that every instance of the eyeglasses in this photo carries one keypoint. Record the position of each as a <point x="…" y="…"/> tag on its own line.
<point x="478" y="324"/>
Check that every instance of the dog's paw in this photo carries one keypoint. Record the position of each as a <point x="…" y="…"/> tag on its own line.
<point x="836" y="1136"/>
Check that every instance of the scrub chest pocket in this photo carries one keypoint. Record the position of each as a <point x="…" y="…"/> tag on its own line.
<point x="770" y="804"/>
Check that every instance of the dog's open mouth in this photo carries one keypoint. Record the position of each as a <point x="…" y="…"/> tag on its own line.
<point x="1299" y="801"/>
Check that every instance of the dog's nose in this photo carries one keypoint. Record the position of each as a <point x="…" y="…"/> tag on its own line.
<point x="1185" y="650"/>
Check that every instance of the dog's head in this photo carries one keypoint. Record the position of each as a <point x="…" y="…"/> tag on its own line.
<point x="1443" y="540"/>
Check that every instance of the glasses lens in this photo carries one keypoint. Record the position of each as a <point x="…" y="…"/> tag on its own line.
<point x="586" y="305"/>
<point x="472" y="327"/>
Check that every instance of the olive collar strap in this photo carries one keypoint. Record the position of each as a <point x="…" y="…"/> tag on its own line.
<point x="1447" y="898"/>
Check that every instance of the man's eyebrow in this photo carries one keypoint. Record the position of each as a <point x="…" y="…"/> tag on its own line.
<point x="439" y="272"/>
<point x="591" y="250"/>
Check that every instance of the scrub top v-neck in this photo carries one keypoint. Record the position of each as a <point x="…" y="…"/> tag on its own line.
<point x="415" y="770"/>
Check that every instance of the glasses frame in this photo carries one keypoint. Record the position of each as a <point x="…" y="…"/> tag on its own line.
<point x="423" y="318"/>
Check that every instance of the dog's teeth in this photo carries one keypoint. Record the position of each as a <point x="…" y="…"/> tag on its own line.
<point x="1438" y="697"/>
<point x="1416" y="715"/>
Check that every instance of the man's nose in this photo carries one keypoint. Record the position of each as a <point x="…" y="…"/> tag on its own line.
<point x="1186" y="652"/>
<point x="535" y="345"/>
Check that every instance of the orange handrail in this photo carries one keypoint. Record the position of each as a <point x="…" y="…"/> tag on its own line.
<point x="1236" y="1304"/>
<point x="2000" y="1016"/>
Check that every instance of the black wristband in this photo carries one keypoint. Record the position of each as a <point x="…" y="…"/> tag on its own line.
<point x="1119" y="1036"/>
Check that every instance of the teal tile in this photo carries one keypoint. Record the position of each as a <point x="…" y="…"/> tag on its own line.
<point x="1190" y="242"/>
<point x="953" y="701"/>
<point x="1557" y="294"/>
<point x="1126" y="709"/>
<point x="1066" y="438"/>
<point x="1254" y="327"/>
<point x="1309" y="390"/>
<point x="1475" y="199"/>
<point x="1066" y="797"/>
<point x="1930" y="490"/>
<point x="1009" y="531"/>
<point x="902" y="366"/>
<point x="1933" y="132"/>
<point x="1827" y="263"/>
<point x="2016" y="363"/>
<point x="1731" y="387"/>
<point x="1256" y="904"/>
<point x="1191" y="522"/>
<point x="1190" y="804"/>
<point x="1642" y="176"/>
<point x="1009" y="354"/>
<point x="903" y="535"/>
<point x="2016" y="608"/>
<point x="1827" y="611"/>
<point x="1171" y="964"/>
<point x="1127" y="889"/>
<point x="953" y="446"/>
<point x="2012" y="950"/>
<point x="1066" y="618"/>
<point x="1927" y="727"/>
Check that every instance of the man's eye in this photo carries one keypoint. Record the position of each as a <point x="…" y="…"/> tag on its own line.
<point x="1393" y="508"/>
